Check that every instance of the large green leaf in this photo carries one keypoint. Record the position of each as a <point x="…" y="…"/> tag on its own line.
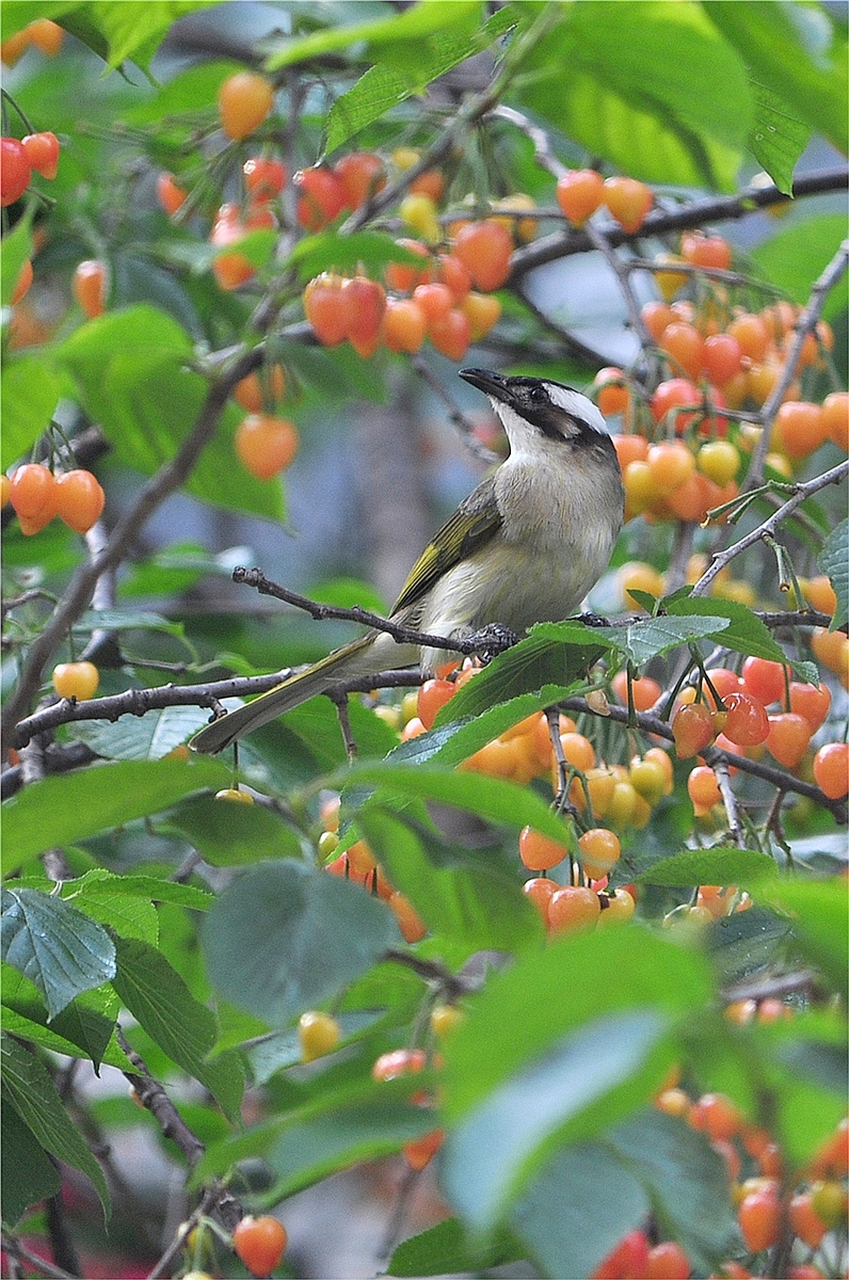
<point x="599" y="1071"/>
<point x="65" y="810"/>
<point x="447" y="1248"/>
<point x="131" y="369"/>
<point x="30" y="1091"/>
<point x="59" y="948"/>
<point x="651" y="87"/>
<point x="119" y="30"/>
<point x="819" y="916"/>
<point x="27" y="1173"/>
<point x="460" y="895"/>
<point x="778" y="138"/>
<point x="183" y="1028"/>
<point x="227" y="834"/>
<point x="29" y="392"/>
<point x="283" y="938"/>
<point x="799" y="51"/>
<point x="722" y="865"/>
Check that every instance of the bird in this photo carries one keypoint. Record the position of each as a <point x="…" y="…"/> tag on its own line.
<point x="525" y="546"/>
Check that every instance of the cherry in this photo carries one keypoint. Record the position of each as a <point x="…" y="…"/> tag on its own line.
<point x="764" y="679"/>
<point x="831" y="769"/>
<point x="404" y="325"/>
<point x="15" y="170"/>
<point x="264" y="178"/>
<point x="705" y="251"/>
<point x="671" y="396"/>
<point x="692" y="729"/>
<point x="628" y="200"/>
<point x="23" y="282"/>
<point x="89" y="285"/>
<point x="361" y="175"/>
<point x="799" y="428"/>
<point x="485" y="249"/>
<point x="539" y="852"/>
<point x="318" y="1033"/>
<point x="321" y="197"/>
<point x="364" y="302"/>
<point x="170" y="195"/>
<point x="759" y="1216"/>
<point x="579" y="193"/>
<point x="747" y="723"/>
<point x="403" y="276"/>
<point x="412" y="927"/>
<point x="245" y="99"/>
<point x="32" y="493"/>
<point x="573" y="907"/>
<point x="80" y="499"/>
<point x="433" y="695"/>
<point x="611" y="393"/>
<point x="43" y="153"/>
<point x="76" y="680"/>
<point x="451" y="334"/>
<point x="325" y="309"/>
<point x="260" y="1243"/>
<point x="600" y="851"/>
<point x="788" y="738"/>
<point x="398" y="1062"/>
<point x="265" y="444"/>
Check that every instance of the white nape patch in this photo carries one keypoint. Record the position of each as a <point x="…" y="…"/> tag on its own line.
<point x="577" y="405"/>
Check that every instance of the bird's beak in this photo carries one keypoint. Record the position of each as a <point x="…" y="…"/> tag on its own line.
<point x="490" y="383"/>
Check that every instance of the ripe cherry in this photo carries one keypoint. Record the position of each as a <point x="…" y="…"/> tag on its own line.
<point x="573" y="907"/>
<point x="692" y="729"/>
<point x="747" y="723"/>
<point x="245" y="99"/>
<point x="23" y="282"/>
<point x="705" y="251"/>
<point x="451" y="334"/>
<point x="15" y="170"/>
<point x="265" y="444"/>
<point x="170" y="195"/>
<point x="579" y="193"/>
<point x="764" y="679"/>
<point x="264" y="178"/>
<point x="319" y="1033"/>
<point x="321" y="197"/>
<point x="76" y="680"/>
<point x="325" y="309"/>
<point x="404" y="325"/>
<point x="485" y="249"/>
<point x="80" y="499"/>
<point x="759" y="1216"/>
<point x="831" y="769"/>
<point x="43" y="153"/>
<point x="611" y="392"/>
<point x="260" y="1243"/>
<point x="361" y="175"/>
<point x="539" y="852"/>
<point x="482" y="311"/>
<point x="788" y="738"/>
<point x="628" y="201"/>
<point x="600" y="851"/>
<point x="432" y="696"/>
<point x="32" y="493"/>
<point x="89" y="284"/>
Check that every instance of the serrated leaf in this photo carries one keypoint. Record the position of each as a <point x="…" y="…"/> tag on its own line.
<point x="65" y="810"/>
<point x="29" y="391"/>
<point x="743" y="631"/>
<point x="32" y="1093"/>
<point x="818" y="913"/>
<point x="451" y="741"/>
<point x="59" y="948"/>
<point x="183" y="1028"/>
<point x="834" y="560"/>
<point x="778" y="138"/>
<point x="722" y="865"/>
<point x="283" y="938"/>
<point x="447" y="1249"/>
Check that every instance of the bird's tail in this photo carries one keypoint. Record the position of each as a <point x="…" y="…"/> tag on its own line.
<point x="352" y="660"/>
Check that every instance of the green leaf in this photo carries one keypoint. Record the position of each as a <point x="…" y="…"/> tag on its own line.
<point x="742" y="631"/>
<point x="492" y="799"/>
<point x="65" y="810"/>
<point x="799" y="51"/>
<point x="130" y="30"/>
<point x="29" y="391"/>
<point x="799" y="253"/>
<point x="59" y="948"/>
<point x="558" y="1218"/>
<point x="686" y="1181"/>
<point x="31" y="1092"/>
<point x="446" y="1249"/>
<point x="183" y="1028"/>
<point x="283" y="938"/>
<point x="778" y="138"/>
<point x="416" y="24"/>
<point x="14" y="251"/>
<point x="372" y="249"/>
<point x="27" y="1174"/>
<point x="227" y="834"/>
<point x="131" y="369"/>
<point x="819" y="915"/>
<point x="721" y="865"/>
<point x="466" y="898"/>
<point x="652" y="87"/>
<point x="597" y="1069"/>
<point x="452" y="741"/>
<point x="48" y="1038"/>
<point x="104" y="897"/>
<point x="149" y="737"/>
<point x="87" y="1022"/>
<point x="834" y="560"/>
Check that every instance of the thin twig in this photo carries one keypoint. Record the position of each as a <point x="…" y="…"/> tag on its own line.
<point x="802" y="492"/>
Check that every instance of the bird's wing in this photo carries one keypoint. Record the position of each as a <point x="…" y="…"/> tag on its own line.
<point x="476" y="520"/>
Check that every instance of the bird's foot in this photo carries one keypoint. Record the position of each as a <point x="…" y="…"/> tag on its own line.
<point x="491" y="640"/>
<point x="593" y="620"/>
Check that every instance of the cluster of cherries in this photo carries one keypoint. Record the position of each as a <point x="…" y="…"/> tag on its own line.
<point x="37" y="495"/>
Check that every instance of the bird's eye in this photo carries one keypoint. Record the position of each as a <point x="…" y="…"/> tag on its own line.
<point x="539" y="394"/>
